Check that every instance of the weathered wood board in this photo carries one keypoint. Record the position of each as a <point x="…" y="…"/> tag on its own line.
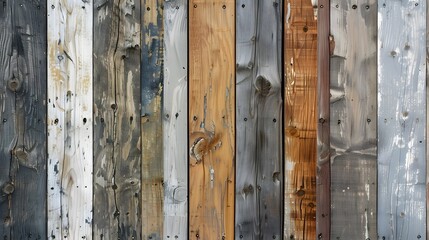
<point x="70" y="120"/>
<point x="353" y="73"/>
<point x="323" y="176"/>
<point x="211" y="119"/>
<point x="152" y="61"/>
<point x="259" y="172"/>
<point x="175" y="120"/>
<point x="401" y="119"/>
<point x="23" y="120"/>
<point x="300" y="119"/>
<point x="117" y="145"/>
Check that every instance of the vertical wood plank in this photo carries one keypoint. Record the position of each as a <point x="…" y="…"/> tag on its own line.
<point x="117" y="146"/>
<point x="401" y="119"/>
<point x="300" y="120"/>
<point x="70" y="119"/>
<point x="211" y="119"/>
<point x="152" y="142"/>
<point x="259" y="171"/>
<point x="175" y="120"/>
<point x="353" y="76"/>
<point x="23" y="120"/>
<point x="323" y="177"/>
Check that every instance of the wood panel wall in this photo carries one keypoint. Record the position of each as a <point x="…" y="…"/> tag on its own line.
<point x="300" y="64"/>
<point x="353" y="74"/>
<point x="23" y="120"/>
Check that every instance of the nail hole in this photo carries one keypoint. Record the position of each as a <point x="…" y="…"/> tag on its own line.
<point x="224" y="6"/>
<point x="243" y="6"/>
<point x="354" y="6"/>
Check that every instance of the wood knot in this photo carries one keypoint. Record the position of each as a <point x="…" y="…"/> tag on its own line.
<point x="202" y="145"/>
<point x="8" y="188"/>
<point x="21" y="154"/>
<point x="263" y="86"/>
<point x="14" y="84"/>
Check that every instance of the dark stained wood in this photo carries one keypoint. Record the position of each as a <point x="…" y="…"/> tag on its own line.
<point x="353" y="119"/>
<point x="323" y="192"/>
<point x="152" y="63"/>
<point x="211" y="119"/>
<point x="22" y="120"/>
<point x="117" y="143"/>
<point x="259" y="172"/>
<point x="300" y="120"/>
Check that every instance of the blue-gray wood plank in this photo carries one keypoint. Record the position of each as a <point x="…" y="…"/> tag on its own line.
<point x="402" y="119"/>
<point x="22" y="119"/>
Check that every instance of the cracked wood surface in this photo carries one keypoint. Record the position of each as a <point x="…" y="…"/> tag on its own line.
<point x="117" y="146"/>
<point x="211" y="119"/>
<point x="70" y="119"/>
<point x="402" y="119"/>
<point x="151" y="121"/>
<point x="300" y="120"/>
<point x="175" y="120"/>
<point x="259" y="173"/>
<point x="23" y="120"/>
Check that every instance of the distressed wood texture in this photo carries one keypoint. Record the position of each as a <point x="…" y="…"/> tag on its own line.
<point x="300" y="120"/>
<point x="323" y="176"/>
<point x="211" y="119"/>
<point x="175" y="120"/>
<point x="117" y="145"/>
<point x="70" y="120"/>
<point x="259" y="171"/>
<point x="151" y="121"/>
<point x="23" y="120"/>
<point x="401" y="119"/>
<point x="353" y="116"/>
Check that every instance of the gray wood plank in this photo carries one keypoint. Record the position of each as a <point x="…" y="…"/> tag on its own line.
<point x="259" y="172"/>
<point x="23" y="120"/>
<point x="353" y="122"/>
<point x="175" y="120"/>
<point x="401" y="119"/>
<point x="117" y="145"/>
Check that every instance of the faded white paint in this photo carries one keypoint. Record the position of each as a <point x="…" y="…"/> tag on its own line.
<point x="70" y="119"/>
<point x="174" y="127"/>
<point x="402" y="119"/>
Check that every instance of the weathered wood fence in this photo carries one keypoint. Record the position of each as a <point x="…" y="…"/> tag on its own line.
<point x="213" y="119"/>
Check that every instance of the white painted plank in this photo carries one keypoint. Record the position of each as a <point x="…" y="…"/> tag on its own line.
<point x="401" y="119"/>
<point x="70" y="119"/>
<point x="175" y="120"/>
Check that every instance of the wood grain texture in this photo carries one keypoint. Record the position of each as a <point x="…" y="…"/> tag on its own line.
<point x="401" y="119"/>
<point x="117" y="145"/>
<point x="23" y="120"/>
<point x="323" y="177"/>
<point x="211" y="119"/>
<point x="70" y="119"/>
<point x="300" y="120"/>
<point x="259" y="172"/>
<point x="353" y="122"/>
<point x="152" y="98"/>
<point x="175" y="120"/>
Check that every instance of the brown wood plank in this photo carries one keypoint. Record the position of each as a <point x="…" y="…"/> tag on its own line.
<point x="300" y="120"/>
<point x="23" y="120"/>
<point x="152" y="99"/>
<point x="211" y="119"/>
<point x="117" y="145"/>
<point x="323" y="192"/>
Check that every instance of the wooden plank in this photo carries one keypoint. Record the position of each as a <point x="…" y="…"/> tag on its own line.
<point x="151" y="121"/>
<point x="323" y="176"/>
<point x="353" y="119"/>
<point x="117" y="146"/>
<point x="23" y="120"/>
<point x="401" y="119"/>
<point x="175" y="120"/>
<point x="300" y="120"/>
<point x="211" y="119"/>
<point x="70" y="119"/>
<point x="259" y="115"/>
